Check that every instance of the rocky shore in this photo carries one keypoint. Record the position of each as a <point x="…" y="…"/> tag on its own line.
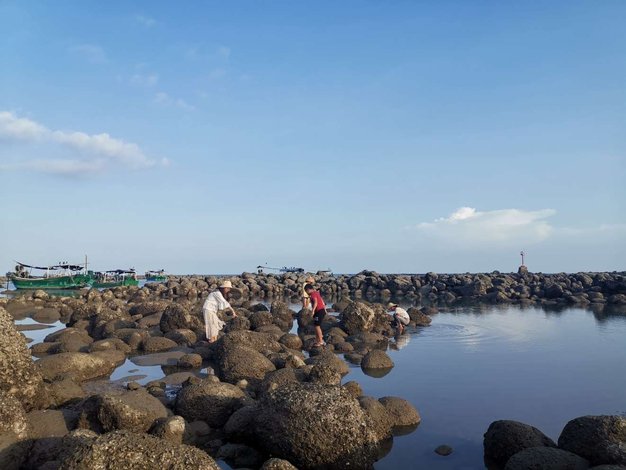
<point x="270" y="400"/>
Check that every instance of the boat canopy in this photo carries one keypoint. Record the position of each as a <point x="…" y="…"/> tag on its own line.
<point x="71" y="267"/>
<point x="121" y="271"/>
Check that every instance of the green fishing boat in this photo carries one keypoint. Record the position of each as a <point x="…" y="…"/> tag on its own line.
<point x="156" y="276"/>
<point x="59" y="276"/>
<point x="115" y="278"/>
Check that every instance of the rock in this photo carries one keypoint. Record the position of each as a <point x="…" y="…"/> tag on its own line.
<point x="401" y="412"/>
<point x="240" y="424"/>
<point x="208" y="401"/>
<point x="291" y="341"/>
<point x="277" y="464"/>
<point x="240" y="456"/>
<point x="329" y="359"/>
<point x="64" y="391"/>
<point x="546" y="458"/>
<point x="190" y="361"/>
<point x="258" y="341"/>
<point x="14" y="432"/>
<point x="18" y="374"/>
<point x="505" y="438"/>
<point x="599" y="439"/>
<point x="325" y="374"/>
<point x="279" y="378"/>
<point x="376" y="359"/>
<point x="357" y="317"/>
<point x="158" y="344"/>
<point x="315" y="426"/>
<point x="418" y="317"/>
<point x="380" y="417"/>
<point x="171" y="429"/>
<point x="182" y="337"/>
<point x="80" y="366"/>
<point x="241" y="362"/>
<point x="134" y="410"/>
<point x="175" y="316"/>
<point x="135" y="452"/>
<point x="443" y="450"/>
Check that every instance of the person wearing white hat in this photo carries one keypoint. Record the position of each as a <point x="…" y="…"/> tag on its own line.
<point x="400" y="315"/>
<point x="215" y="302"/>
<point x="306" y="300"/>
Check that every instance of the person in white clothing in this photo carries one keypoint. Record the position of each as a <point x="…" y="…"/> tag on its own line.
<point x="400" y="315"/>
<point x="215" y="302"/>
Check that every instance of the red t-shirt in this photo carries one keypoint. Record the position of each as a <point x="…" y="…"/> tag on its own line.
<point x="320" y="302"/>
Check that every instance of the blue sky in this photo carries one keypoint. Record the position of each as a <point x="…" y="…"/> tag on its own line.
<point x="396" y="136"/>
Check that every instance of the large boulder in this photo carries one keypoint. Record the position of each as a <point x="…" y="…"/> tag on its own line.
<point x="546" y="458"/>
<point x="358" y="317"/>
<point x="18" y="374"/>
<point x="176" y="316"/>
<point x="208" y="401"/>
<point x="506" y="438"/>
<point x="315" y="426"/>
<point x="381" y="419"/>
<point x="260" y="342"/>
<point x="241" y="362"/>
<point x="599" y="439"/>
<point x="401" y="413"/>
<point x="133" y="451"/>
<point x="376" y="359"/>
<point x="135" y="411"/>
<point x="80" y="366"/>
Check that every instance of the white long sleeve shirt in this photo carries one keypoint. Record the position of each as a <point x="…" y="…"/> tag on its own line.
<point x="215" y="302"/>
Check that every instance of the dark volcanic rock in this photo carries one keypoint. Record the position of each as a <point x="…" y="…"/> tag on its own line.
<point x="546" y="458"/>
<point x="599" y="439"/>
<point x="209" y="401"/>
<point x="505" y="438"/>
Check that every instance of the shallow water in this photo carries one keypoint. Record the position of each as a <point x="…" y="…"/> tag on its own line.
<point x="472" y="367"/>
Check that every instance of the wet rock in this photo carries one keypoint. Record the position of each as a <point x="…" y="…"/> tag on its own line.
<point x="358" y="317"/>
<point x="505" y="438"/>
<point x="400" y="411"/>
<point x="599" y="439"/>
<point x="209" y="401"/>
<point x="18" y="375"/>
<point x="110" y="344"/>
<point x="80" y="366"/>
<point x="169" y="358"/>
<point x="381" y="419"/>
<point x="137" y="452"/>
<point x="240" y="424"/>
<point x="315" y="426"/>
<point x="546" y="458"/>
<point x="171" y="429"/>
<point x="443" y="450"/>
<point x="376" y="359"/>
<point x="418" y="317"/>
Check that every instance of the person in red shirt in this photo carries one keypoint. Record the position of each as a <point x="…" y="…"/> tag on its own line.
<point x="319" y="312"/>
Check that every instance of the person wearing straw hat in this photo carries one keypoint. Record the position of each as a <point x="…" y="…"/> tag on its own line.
<point x="400" y="316"/>
<point x="306" y="299"/>
<point x="215" y="302"/>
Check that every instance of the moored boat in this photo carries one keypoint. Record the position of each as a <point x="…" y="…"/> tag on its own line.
<point x="156" y="276"/>
<point x="59" y="276"/>
<point x="115" y="278"/>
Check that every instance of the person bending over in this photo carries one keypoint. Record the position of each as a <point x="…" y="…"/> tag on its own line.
<point x="400" y="316"/>
<point x="215" y="302"/>
<point x="319" y="312"/>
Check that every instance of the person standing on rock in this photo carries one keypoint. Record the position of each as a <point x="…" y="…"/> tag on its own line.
<point x="306" y="303"/>
<point x="215" y="302"/>
<point x="400" y="316"/>
<point x="319" y="312"/>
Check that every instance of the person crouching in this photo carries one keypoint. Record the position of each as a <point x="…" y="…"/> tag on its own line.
<point x="400" y="316"/>
<point x="215" y="302"/>
<point x="319" y="312"/>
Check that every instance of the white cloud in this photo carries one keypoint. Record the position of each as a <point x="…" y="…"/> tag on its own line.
<point x="146" y="21"/>
<point x="224" y="51"/>
<point x="505" y="226"/>
<point x="146" y="80"/>
<point x="164" y="99"/>
<point x="90" y="52"/>
<point x="98" y="151"/>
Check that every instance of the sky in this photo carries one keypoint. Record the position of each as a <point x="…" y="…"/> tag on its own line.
<point x="401" y="136"/>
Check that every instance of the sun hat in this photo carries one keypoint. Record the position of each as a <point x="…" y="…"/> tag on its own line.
<point x="226" y="284"/>
<point x="391" y="305"/>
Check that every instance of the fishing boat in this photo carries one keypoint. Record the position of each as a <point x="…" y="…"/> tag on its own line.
<point x="115" y="278"/>
<point x="156" y="276"/>
<point x="284" y="269"/>
<point x="59" y="276"/>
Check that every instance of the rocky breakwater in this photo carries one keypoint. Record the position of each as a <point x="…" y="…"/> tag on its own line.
<point x="270" y="400"/>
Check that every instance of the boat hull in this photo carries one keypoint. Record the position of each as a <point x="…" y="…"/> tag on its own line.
<point x="156" y="278"/>
<point x="106" y="285"/>
<point x="61" y="282"/>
